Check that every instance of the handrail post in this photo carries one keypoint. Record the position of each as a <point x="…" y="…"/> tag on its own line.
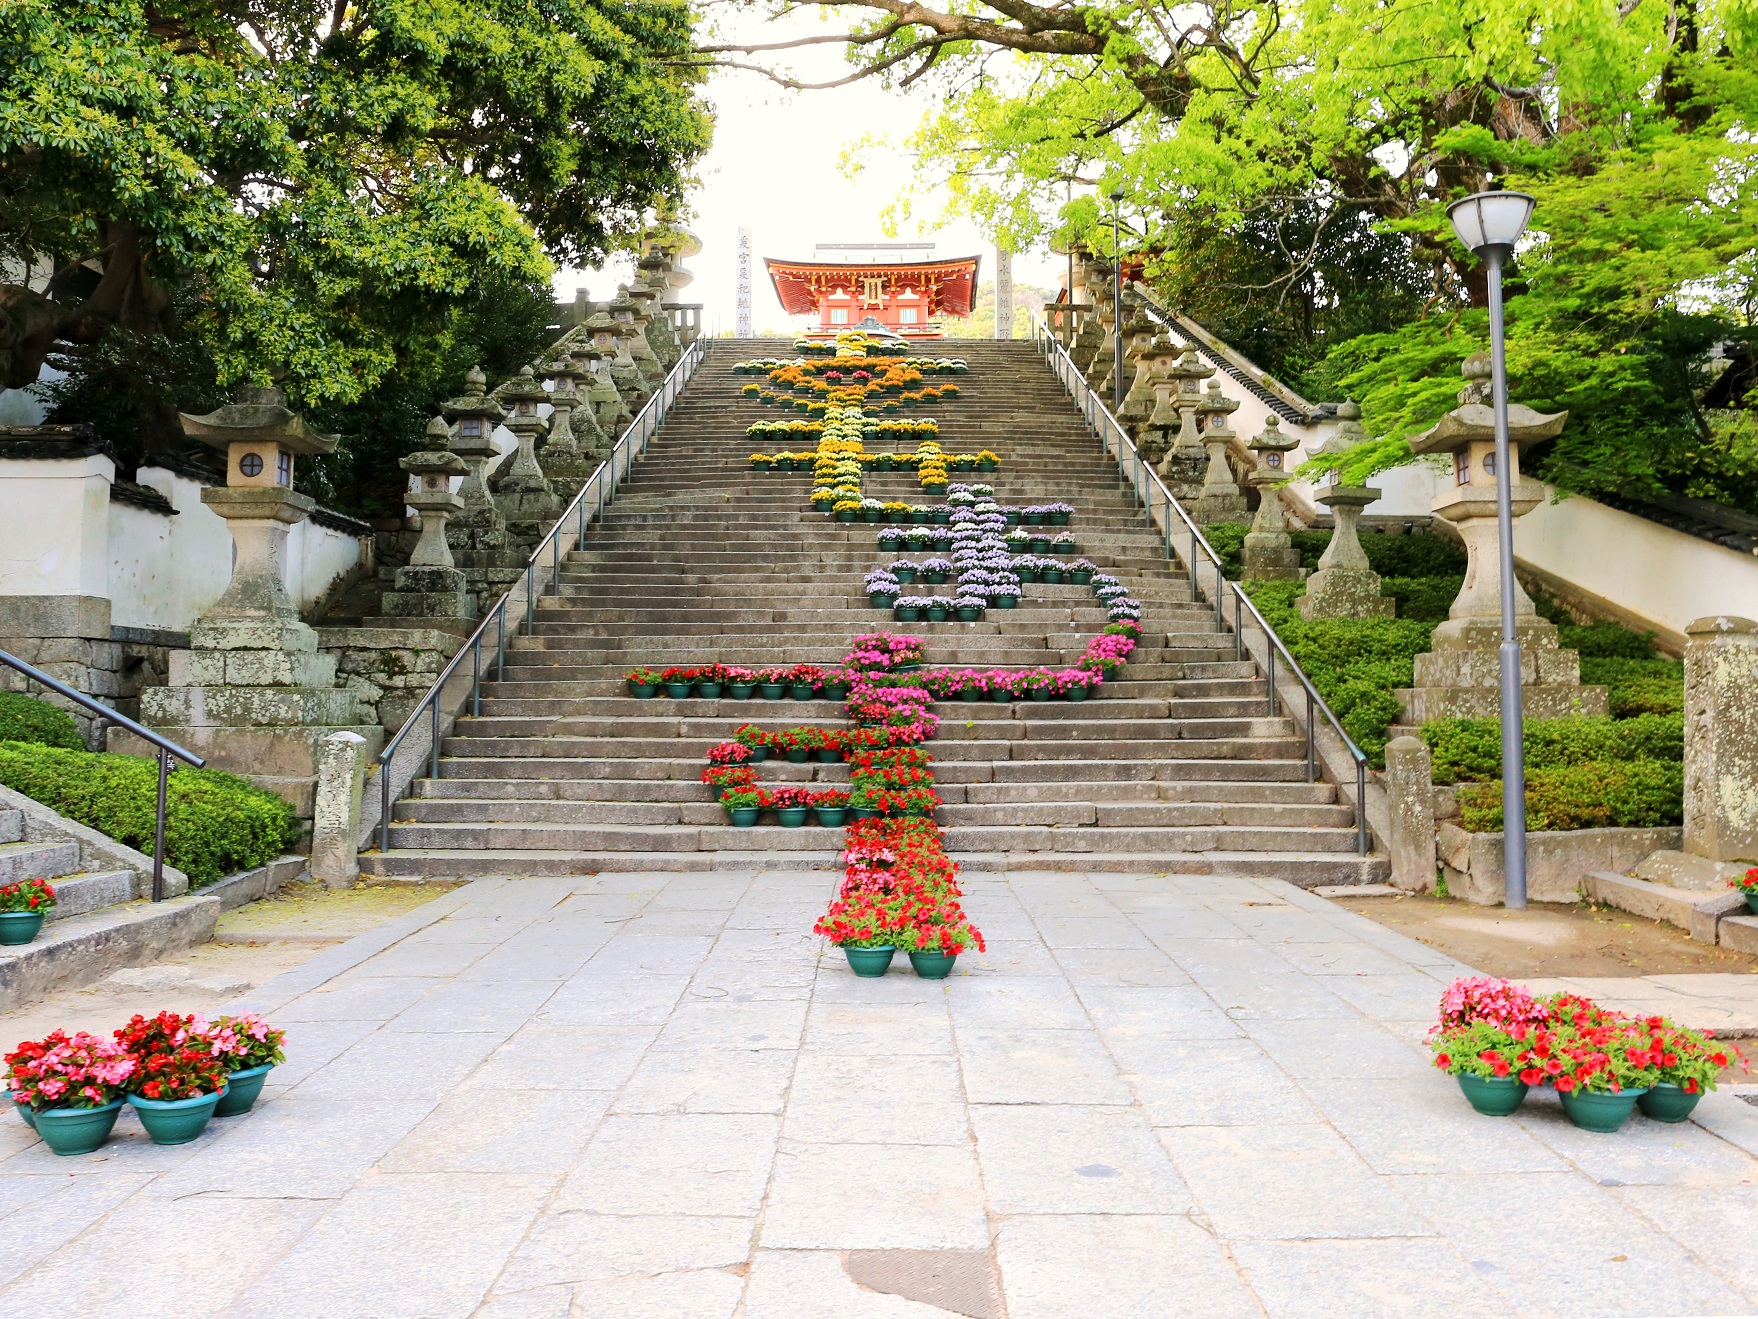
<point x="1193" y="564"/>
<point x="434" y="736"/>
<point x="159" y="831"/>
<point x="476" y="676"/>
<point x="1270" y="652"/>
<point x="1360" y="807"/>
<point x="1311" y="770"/>
<point x="384" y="804"/>
<point x="1238" y="627"/>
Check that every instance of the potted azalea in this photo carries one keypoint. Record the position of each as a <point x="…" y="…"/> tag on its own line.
<point x="69" y="1089"/>
<point x="252" y="1048"/>
<point x="742" y="806"/>
<point x="1748" y="887"/>
<point x="643" y="683"/>
<point x="24" y="907"/>
<point x="178" y="1079"/>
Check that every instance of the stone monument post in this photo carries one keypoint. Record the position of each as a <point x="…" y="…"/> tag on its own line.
<point x="525" y="496"/>
<point x="1186" y="462"/>
<point x="605" y="403"/>
<point x="431" y="586"/>
<point x="1721" y="740"/>
<point x="1221" y="500"/>
<point x="1269" y="555"/>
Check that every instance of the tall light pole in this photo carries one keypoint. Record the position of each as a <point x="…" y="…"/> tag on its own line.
<point x="1116" y="299"/>
<point x="1489" y="224"/>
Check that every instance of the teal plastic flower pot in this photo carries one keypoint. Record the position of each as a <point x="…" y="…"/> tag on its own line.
<point x="935" y="578"/>
<point x="741" y="691"/>
<point x="1060" y="519"/>
<point x="906" y="615"/>
<point x="1599" y="1110"/>
<point x="970" y="693"/>
<point x="76" y="1130"/>
<point x="1667" y="1102"/>
<point x="19" y="926"/>
<point x="862" y="813"/>
<point x="802" y="691"/>
<point x="773" y="691"/>
<point x="1040" y="693"/>
<point x="847" y="515"/>
<point x="879" y="601"/>
<point x="868" y="962"/>
<point x="1077" y="693"/>
<point x="791" y="817"/>
<point x="1752" y="903"/>
<point x="798" y="755"/>
<point x="904" y="575"/>
<point x="1493" y="1096"/>
<point x="643" y="691"/>
<point x="828" y="755"/>
<point x="937" y="615"/>
<point x="1053" y="576"/>
<point x="831" y="817"/>
<point x="711" y="690"/>
<point x="24" y="1113"/>
<point x="933" y="966"/>
<point x="969" y="615"/>
<point x="1001" y="696"/>
<point x="743" y="817"/>
<point x="242" y="1089"/>
<point x="175" y="1121"/>
<point x="1081" y="578"/>
<point x="678" y="690"/>
<point x="835" y="692"/>
<point x="1032" y="519"/>
<point x="1005" y="601"/>
<point x="872" y="515"/>
<point x="758" y="754"/>
<point x="1039" y="545"/>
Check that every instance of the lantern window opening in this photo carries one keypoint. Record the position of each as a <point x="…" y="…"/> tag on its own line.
<point x="250" y="465"/>
<point x="283" y="468"/>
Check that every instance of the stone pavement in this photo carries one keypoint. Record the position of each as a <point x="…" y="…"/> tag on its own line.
<point x="627" y="1096"/>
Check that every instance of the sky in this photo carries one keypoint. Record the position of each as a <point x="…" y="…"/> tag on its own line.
<point x="740" y="186"/>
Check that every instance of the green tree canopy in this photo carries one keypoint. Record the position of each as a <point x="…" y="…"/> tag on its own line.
<point x="326" y="183"/>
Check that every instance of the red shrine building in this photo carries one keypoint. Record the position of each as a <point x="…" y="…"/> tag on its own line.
<point x="875" y="283"/>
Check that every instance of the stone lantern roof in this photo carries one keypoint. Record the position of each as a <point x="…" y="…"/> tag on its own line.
<point x="258" y="416"/>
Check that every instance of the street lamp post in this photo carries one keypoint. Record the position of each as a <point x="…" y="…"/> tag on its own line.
<point x="1117" y="300"/>
<point x="1489" y="224"/>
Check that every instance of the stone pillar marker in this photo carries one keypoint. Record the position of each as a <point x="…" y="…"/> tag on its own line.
<point x="1721" y="740"/>
<point x="252" y="694"/>
<point x="1269" y="555"/>
<point x="1345" y="584"/>
<point x="1460" y="676"/>
<point x="335" y="825"/>
<point x="1410" y="792"/>
<point x="431" y="586"/>
<point x="1221" y="500"/>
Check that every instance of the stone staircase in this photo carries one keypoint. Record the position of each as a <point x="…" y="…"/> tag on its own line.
<point x="77" y="890"/>
<point x="1174" y="768"/>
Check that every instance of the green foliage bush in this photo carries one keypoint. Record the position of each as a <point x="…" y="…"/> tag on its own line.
<point x="1470" y="750"/>
<point x="1596" y="794"/>
<point x="1424" y="599"/>
<point x="215" y="823"/>
<point x="1228" y="538"/>
<point x="1416" y="555"/>
<point x="26" y="719"/>
<point x="1606" y="641"/>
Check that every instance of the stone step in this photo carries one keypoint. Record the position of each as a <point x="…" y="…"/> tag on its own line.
<point x="49" y="861"/>
<point x="11" y="826"/>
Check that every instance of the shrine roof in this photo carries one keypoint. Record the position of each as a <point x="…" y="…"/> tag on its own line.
<point x="951" y="282"/>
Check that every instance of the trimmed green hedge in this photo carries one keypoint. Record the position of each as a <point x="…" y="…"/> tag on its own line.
<point x="1470" y="750"/>
<point x="1596" y="794"/>
<point x="215" y="823"/>
<point x="26" y="719"/>
<point x="1638" y="686"/>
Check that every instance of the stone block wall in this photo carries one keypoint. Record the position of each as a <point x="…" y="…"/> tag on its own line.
<point x="387" y="669"/>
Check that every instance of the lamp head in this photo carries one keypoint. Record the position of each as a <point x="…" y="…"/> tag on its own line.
<point x="1490" y="219"/>
<point x="1116" y="194"/>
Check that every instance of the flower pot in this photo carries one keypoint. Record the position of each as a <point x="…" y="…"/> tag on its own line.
<point x="1039" y="545"/>
<point x="773" y="691"/>
<point x="970" y="693"/>
<point x="915" y="543"/>
<point x="868" y="961"/>
<point x="942" y="516"/>
<point x="798" y="755"/>
<point x="872" y="514"/>
<point x="1076" y="693"/>
<point x="1012" y="515"/>
<point x="791" y="817"/>
<point x="1027" y="574"/>
<point x="1667" y="1102"/>
<point x="828" y="755"/>
<point x="936" y="615"/>
<point x="758" y="754"/>
<point x="1001" y="696"/>
<point x="19" y="926"/>
<point x="76" y="1130"/>
<point x="1032" y="519"/>
<point x="1060" y="519"/>
<point x="906" y="615"/>
<point x="933" y="966"/>
<point x="904" y="575"/>
<point x="879" y="601"/>
<point x="1004" y="601"/>
<point x="678" y="690"/>
<point x="743" y="817"/>
<point x="1493" y="1096"/>
<point x="1053" y="576"/>
<point x="847" y="515"/>
<point x="741" y="691"/>
<point x="711" y="690"/>
<point x="24" y="1112"/>
<point x="919" y="519"/>
<point x="1752" y="903"/>
<point x="985" y="466"/>
<point x="802" y="691"/>
<point x="935" y="578"/>
<point x="242" y="1089"/>
<point x="1599" y="1110"/>
<point x="831" y="816"/>
<point x="1040" y="693"/>
<point x="969" y="615"/>
<point x="1080" y="578"/>
<point x="835" y="692"/>
<point x="862" y="813"/>
<point x="642" y="691"/>
<point x="175" y="1121"/>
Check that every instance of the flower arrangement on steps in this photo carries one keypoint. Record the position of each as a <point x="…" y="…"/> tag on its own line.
<point x="899" y="891"/>
<point x="1499" y="1041"/>
<point x="176" y="1072"/>
<point x="801" y="682"/>
<point x="24" y="906"/>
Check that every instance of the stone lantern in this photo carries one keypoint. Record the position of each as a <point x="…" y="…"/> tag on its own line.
<point x="525" y="495"/>
<point x="608" y="408"/>
<point x="566" y="462"/>
<point x="1138" y="403"/>
<point x="630" y="310"/>
<point x="475" y="416"/>
<point x="661" y="335"/>
<point x="1345" y="584"/>
<point x="1460" y="677"/>
<point x="252" y="694"/>
<point x="431" y="586"/>
<point x="1186" y="462"/>
<point x="625" y="371"/>
<point x="1162" y="361"/>
<point x="1098" y="361"/>
<point x="1221" y="500"/>
<point x="1269" y="555"/>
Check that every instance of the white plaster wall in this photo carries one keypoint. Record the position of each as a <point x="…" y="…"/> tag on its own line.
<point x="316" y="557"/>
<point x="1664" y="576"/>
<point x="55" y="516"/>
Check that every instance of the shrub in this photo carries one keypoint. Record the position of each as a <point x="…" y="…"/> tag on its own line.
<point x="1606" y="641"/>
<point x="1228" y="538"/>
<point x="1416" y="555"/>
<point x="215" y="823"/>
<point x="1470" y="750"/>
<point x="1426" y="599"/>
<point x="1594" y="795"/>
<point x="1638" y="686"/>
<point x="26" y="719"/>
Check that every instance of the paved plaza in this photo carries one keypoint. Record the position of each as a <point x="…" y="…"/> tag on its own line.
<point x="628" y="1096"/>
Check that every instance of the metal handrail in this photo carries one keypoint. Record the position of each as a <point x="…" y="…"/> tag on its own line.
<point x="164" y="744"/>
<point x="601" y="485"/>
<point x="1142" y="480"/>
